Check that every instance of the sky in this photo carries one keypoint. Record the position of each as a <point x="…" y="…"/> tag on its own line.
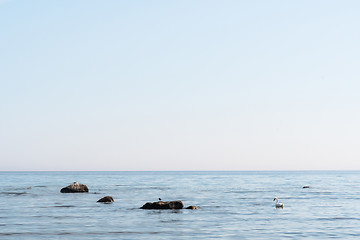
<point x="138" y="85"/>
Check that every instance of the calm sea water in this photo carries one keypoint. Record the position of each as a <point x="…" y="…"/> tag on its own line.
<point x="233" y="205"/>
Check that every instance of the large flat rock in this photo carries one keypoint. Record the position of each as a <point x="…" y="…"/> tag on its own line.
<point x="163" y="205"/>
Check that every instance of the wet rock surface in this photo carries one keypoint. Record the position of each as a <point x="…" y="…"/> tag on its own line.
<point x="192" y="207"/>
<point x="75" y="188"/>
<point x="163" y="205"/>
<point x="107" y="199"/>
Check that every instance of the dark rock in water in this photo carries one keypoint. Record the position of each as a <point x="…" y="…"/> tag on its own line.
<point x="163" y="205"/>
<point x="75" y="188"/>
<point x="106" y="199"/>
<point x="306" y="186"/>
<point x="192" y="207"/>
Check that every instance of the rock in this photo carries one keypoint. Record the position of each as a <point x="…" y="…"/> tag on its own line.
<point x="163" y="205"/>
<point x="192" y="207"/>
<point x="75" y="188"/>
<point x="106" y="199"/>
<point x="306" y="186"/>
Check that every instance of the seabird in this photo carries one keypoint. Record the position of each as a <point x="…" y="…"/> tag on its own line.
<point x="277" y="204"/>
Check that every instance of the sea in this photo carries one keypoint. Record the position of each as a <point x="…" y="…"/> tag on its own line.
<point x="232" y="205"/>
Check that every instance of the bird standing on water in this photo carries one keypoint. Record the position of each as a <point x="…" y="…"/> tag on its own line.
<point x="277" y="204"/>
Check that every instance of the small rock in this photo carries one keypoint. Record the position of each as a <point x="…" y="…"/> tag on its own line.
<point x="106" y="199"/>
<point x="75" y="188"/>
<point x="192" y="207"/>
<point x="306" y="186"/>
<point x="163" y="205"/>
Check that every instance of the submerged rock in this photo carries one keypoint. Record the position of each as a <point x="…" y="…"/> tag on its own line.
<point x="163" y="205"/>
<point x="106" y="199"/>
<point x="192" y="207"/>
<point x="75" y="188"/>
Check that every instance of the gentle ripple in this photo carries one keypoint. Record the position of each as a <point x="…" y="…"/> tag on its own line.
<point x="233" y="205"/>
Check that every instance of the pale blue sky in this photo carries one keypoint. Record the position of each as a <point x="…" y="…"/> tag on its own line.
<point x="179" y="85"/>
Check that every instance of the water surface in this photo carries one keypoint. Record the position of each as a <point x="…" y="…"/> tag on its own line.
<point x="233" y="205"/>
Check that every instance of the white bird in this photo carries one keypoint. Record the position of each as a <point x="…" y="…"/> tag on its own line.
<point x="277" y="204"/>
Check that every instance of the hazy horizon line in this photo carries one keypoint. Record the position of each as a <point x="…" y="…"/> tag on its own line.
<point x="306" y="170"/>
